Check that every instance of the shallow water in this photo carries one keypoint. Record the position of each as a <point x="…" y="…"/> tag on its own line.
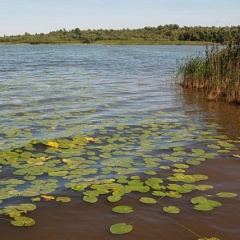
<point x="53" y="92"/>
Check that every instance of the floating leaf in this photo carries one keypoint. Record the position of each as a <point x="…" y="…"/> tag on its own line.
<point x="135" y="177"/>
<point x="213" y="146"/>
<point x="199" y="177"/>
<point x="203" y="204"/>
<point x="199" y="200"/>
<point x="136" y="183"/>
<point x="121" y="228"/>
<point x="203" y="207"/>
<point x="181" y="188"/>
<point x="90" y="139"/>
<point x="204" y="187"/>
<point x="193" y="162"/>
<point x="23" y="221"/>
<point x="123" y="209"/>
<point x="80" y="187"/>
<point x="90" y="199"/>
<point x="180" y="165"/>
<point x="13" y="213"/>
<point x="25" y="207"/>
<point x="115" y="198"/>
<point x="63" y="199"/>
<point x="165" y="167"/>
<point x="29" y="177"/>
<point x="178" y="170"/>
<point x="171" y="209"/>
<point x="198" y="151"/>
<point x="226" y="194"/>
<point x="147" y="200"/>
<point x="37" y="199"/>
<point x="158" y="193"/>
<point x="214" y="203"/>
<point x="150" y="172"/>
<point x="154" y="183"/>
<point x="173" y="194"/>
<point x="141" y="189"/>
<point x="58" y="173"/>
<point x="180" y="177"/>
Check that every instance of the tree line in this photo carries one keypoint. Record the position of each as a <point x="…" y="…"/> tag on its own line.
<point x="169" y="32"/>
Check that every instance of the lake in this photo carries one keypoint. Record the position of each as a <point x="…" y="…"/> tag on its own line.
<point x="88" y="128"/>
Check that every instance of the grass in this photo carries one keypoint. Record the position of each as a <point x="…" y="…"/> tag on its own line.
<point x="218" y="72"/>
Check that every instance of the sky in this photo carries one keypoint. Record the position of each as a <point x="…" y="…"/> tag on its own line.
<point x="43" y="16"/>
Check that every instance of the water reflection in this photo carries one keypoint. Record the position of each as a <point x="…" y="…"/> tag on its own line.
<point x="220" y="112"/>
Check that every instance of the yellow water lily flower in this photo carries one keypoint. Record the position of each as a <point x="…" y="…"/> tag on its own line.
<point x="47" y="198"/>
<point x="91" y="139"/>
<point x="53" y="144"/>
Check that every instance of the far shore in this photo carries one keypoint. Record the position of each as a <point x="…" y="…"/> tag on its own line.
<point x="115" y="42"/>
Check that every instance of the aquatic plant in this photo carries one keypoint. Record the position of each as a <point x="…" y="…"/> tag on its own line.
<point x="148" y="162"/>
<point x="218" y="72"/>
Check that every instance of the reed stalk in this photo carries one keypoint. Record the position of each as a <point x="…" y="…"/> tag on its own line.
<point x="218" y="72"/>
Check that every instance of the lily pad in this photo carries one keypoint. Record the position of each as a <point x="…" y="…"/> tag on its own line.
<point x="158" y="193"/>
<point x="213" y="146"/>
<point x="114" y="198"/>
<point x="203" y="207"/>
<point x="123" y="209"/>
<point x="204" y="187"/>
<point x="199" y="200"/>
<point x="22" y="221"/>
<point x="63" y="199"/>
<point x="150" y="172"/>
<point x="180" y="188"/>
<point x="214" y="203"/>
<point x="80" y="187"/>
<point x="193" y="162"/>
<point x="121" y="228"/>
<point x="29" y="177"/>
<point x="147" y="200"/>
<point x="204" y="204"/>
<point x="173" y="194"/>
<point x="90" y="199"/>
<point x="171" y="209"/>
<point x="25" y="207"/>
<point x="180" y="165"/>
<point x="226" y="194"/>
<point x="36" y="199"/>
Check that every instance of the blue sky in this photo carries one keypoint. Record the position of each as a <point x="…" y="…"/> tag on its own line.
<point x="36" y="16"/>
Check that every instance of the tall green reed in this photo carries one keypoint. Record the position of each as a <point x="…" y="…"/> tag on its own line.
<point x="218" y="72"/>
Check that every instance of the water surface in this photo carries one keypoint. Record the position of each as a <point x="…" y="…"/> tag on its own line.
<point x="53" y="92"/>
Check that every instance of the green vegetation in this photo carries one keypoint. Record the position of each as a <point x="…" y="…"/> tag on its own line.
<point x="167" y="34"/>
<point x="41" y="167"/>
<point x="121" y="228"/>
<point x="218" y="71"/>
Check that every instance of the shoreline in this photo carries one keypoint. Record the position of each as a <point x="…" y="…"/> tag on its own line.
<point x="123" y="43"/>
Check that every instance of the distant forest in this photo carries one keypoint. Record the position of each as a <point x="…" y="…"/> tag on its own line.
<point x="161" y="34"/>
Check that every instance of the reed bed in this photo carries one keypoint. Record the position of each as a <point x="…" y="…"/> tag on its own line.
<point x="218" y="72"/>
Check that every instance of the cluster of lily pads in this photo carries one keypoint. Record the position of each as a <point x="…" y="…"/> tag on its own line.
<point x="152" y="160"/>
